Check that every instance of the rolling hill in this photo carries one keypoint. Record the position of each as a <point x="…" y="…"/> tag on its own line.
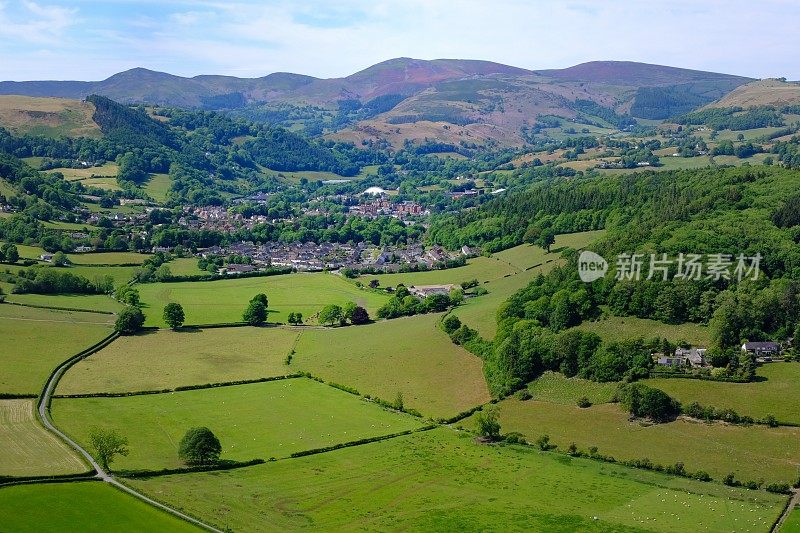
<point x="448" y="100"/>
<point x="760" y="93"/>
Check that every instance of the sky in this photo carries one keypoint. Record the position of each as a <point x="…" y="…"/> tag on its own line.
<point x="91" y="40"/>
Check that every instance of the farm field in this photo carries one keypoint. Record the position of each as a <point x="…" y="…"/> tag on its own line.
<point x="407" y="355"/>
<point x="90" y="302"/>
<point x="69" y="226"/>
<point x="792" y="524"/>
<point x="259" y="420"/>
<point x="108" y="258"/>
<point x="158" y="186"/>
<point x="184" y="266"/>
<point x="27" y="449"/>
<point x="554" y="387"/>
<point x="28" y="252"/>
<point x="225" y="300"/>
<point x="84" y="507"/>
<point x="121" y="274"/>
<point x="54" y="117"/>
<point x="108" y="170"/>
<point x="617" y="328"/>
<point x="35" y="341"/>
<point x="479" y="313"/>
<point x="437" y="480"/>
<point x="165" y="359"/>
<point x="752" y="453"/>
<point x="771" y="396"/>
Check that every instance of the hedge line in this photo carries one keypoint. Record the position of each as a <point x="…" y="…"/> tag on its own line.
<point x="359" y="442"/>
<point x="655" y="374"/>
<point x="61" y="308"/>
<point x="12" y="396"/>
<point x="6" y="481"/>
<point x="225" y="464"/>
<point x="177" y="389"/>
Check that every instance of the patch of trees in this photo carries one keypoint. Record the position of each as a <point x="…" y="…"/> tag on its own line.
<point x="734" y="118"/>
<point x="129" y="320"/>
<point x="403" y="303"/>
<point x="332" y="315"/>
<point x="646" y="402"/>
<point x="256" y="312"/>
<point x="591" y="107"/>
<point x="664" y="102"/>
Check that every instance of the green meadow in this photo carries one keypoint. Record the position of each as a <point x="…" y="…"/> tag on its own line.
<point x="480" y="268"/>
<point x="751" y="452"/>
<point x="254" y="421"/>
<point x="35" y="341"/>
<point x="89" y="302"/>
<point x="411" y="356"/>
<point x="82" y="507"/>
<point x="26" y="449"/>
<point x="618" y="328"/>
<point x="554" y="387"/>
<point x="225" y="300"/>
<point x="165" y="359"/>
<point x="441" y="480"/>
<point x="774" y="392"/>
<point x="108" y="258"/>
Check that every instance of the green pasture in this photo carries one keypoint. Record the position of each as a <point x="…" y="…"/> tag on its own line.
<point x="80" y="507"/>
<point x="618" y="328"/>
<point x="260" y="420"/>
<point x="411" y="356"/>
<point x="164" y="359"/>
<point x="554" y="387"/>
<point x="225" y="300"/>
<point x="35" y="341"/>
<point x="442" y="481"/>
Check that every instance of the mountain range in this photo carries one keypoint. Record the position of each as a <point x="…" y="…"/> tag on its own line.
<point x="447" y="100"/>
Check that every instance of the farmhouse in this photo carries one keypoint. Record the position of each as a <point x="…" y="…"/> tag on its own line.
<point x="694" y="357"/>
<point x="760" y="349"/>
<point x="237" y="269"/>
<point x="426" y="290"/>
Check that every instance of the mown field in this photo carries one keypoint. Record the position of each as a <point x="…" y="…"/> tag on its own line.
<point x="752" y="453"/>
<point x="82" y="507"/>
<point x="260" y="420"/>
<point x="411" y="356"/>
<point x="618" y="328"/>
<point x="26" y="449"/>
<point x="165" y="359"/>
<point x="554" y="387"/>
<point x="440" y="480"/>
<point x="225" y="300"/>
<point x="774" y="394"/>
<point x="91" y="302"/>
<point x="35" y="341"/>
<point x="479" y="313"/>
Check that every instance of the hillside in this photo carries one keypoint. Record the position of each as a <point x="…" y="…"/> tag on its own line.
<point x="449" y="100"/>
<point x="769" y="92"/>
<point x="47" y="116"/>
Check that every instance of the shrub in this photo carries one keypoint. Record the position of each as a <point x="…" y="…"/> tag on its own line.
<point x="199" y="447"/>
<point x="515" y="438"/>
<point x="488" y="425"/>
<point x="543" y="442"/>
<point x="731" y="480"/>
<point x="583" y="402"/>
<point x="701" y="475"/>
<point x="771" y="421"/>
<point x="779" y="488"/>
<point x="573" y="449"/>
<point x="450" y="324"/>
<point x="524" y="395"/>
<point x="592" y="451"/>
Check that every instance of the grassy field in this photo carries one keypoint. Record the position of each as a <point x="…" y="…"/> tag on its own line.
<point x="168" y="359"/>
<point x="753" y="453"/>
<point x="792" y="524"/>
<point x="260" y="420"/>
<point x="108" y="170"/>
<point x="442" y="481"/>
<point x="554" y="387"/>
<point x="108" y="258"/>
<point x="28" y="252"/>
<point x="617" y="328"/>
<point x="480" y="268"/>
<point x="184" y="266"/>
<point x="91" y="302"/>
<point x="226" y="300"/>
<point x="26" y="449"/>
<point x="158" y="186"/>
<point x="121" y="274"/>
<point x="89" y="506"/>
<point x="35" y="341"/>
<point x="407" y="355"/>
<point x="479" y="313"/>
<point x="770" y="396"/>
<point x="68" y="226"/>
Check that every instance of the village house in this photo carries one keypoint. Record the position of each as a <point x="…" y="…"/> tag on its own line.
<point x="763" y="351"/>
<point x="694" y="357"/>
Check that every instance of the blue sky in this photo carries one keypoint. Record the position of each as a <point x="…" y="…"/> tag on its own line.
<point x="90" y="40"/>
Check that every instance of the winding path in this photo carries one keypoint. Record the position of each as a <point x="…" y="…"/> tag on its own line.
<point x="44" y="414"/>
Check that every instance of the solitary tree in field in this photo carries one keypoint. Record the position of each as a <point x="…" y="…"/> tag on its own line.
<point x="261" y="297"/>
<point x="173" y="315"/>
<point x="331" y="314"/>
<point x="199" y="447"/>
<point x="107" y="443"/>
<point x="488" y="425"/>
<point x="255" y="314"/>
<point x="60" y="259"/>
<point x="546" y="239"/>
<point x="129" y="321"/>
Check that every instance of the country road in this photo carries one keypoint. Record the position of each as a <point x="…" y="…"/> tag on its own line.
<point x="44" y="414"/>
